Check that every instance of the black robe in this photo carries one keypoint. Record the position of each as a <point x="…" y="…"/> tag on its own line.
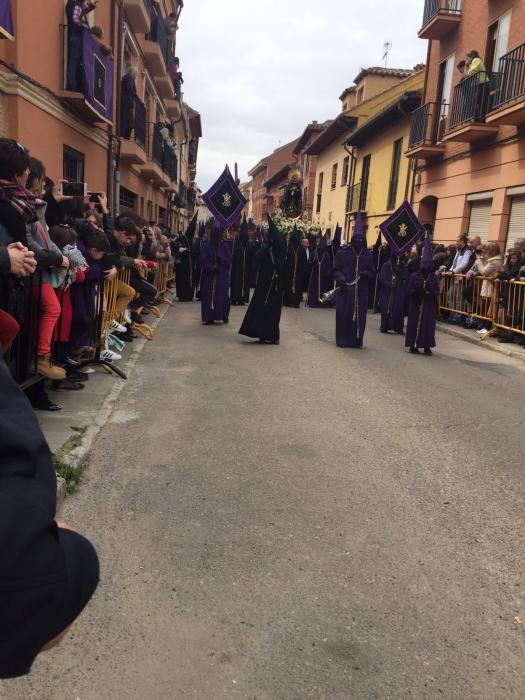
<point x="295" y="269"/>
<point x="240" y="274"/>
<point x="197" y="269"/>
<point x="264" y="312"/>
<point x="183" y="268"/>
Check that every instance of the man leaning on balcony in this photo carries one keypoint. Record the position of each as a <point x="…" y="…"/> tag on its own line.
<point x="76" y="13"/>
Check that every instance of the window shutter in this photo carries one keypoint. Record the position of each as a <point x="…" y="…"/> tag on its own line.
<point x="517" y="221"/>
<point x="480" y="218"/>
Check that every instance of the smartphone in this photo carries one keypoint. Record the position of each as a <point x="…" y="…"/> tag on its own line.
<point x="74" y="189"/>
<point x="93" y="197"/>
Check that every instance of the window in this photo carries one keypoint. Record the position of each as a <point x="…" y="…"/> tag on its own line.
<point x="497" y="42"/>
<point x="149" y="211"/>
<point x="365" y="177"/>
<point x="127" y="198"/>
<point x="74" y="165"/>
<point x="319" y="193"/>
<point x="479" y="224"/>
<point x="333" y="184"/>
<point x="346" y="170"/>
<point x="360" y="95"/>
<point x="162" y="215"/>
<point x="394" y="174"/>
<point x="446" y="76"/>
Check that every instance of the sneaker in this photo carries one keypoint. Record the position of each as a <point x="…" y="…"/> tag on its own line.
<point x="47" y="405"/>
<point x="117" y="327"/>
<point x="110" y="356"/>
<point x="482" y="331"/>
<point x="46" y="368"/>
<point x="427" y="351"/>
<point x="127" y="316"/>
<point x="77" y="376"/>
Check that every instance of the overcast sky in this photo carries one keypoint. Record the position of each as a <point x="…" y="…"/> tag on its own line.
<point x="259" y="71"/>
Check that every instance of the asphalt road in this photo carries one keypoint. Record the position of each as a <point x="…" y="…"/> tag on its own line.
<point x="302" y="522"/>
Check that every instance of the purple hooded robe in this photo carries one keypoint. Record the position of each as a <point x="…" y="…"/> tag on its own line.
<point x="393" y="280"/>
<point x="215" y="259"/>
<point x="423" y="292"/>
<point x="321" y="276"/>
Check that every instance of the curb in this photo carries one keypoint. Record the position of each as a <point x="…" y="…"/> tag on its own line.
<point x="494" y="347"/>
<point x="77" y="456"/>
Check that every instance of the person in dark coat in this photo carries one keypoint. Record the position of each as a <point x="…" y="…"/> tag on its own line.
<point x="48" y="573"/>
<point x="294" y="271"/>
<point x="393" y="281"/>
<point x="182" y="251"/>
<point x="423" y="290"/>
<point x="240" y="277"/>
<point x="264" y="312"/>
<point x="333" y="248"/>
<point x="255" y="247"/>
<point x="216" y="259"/>
<point x="321" y="275"/>
<point x="354" y="266"/>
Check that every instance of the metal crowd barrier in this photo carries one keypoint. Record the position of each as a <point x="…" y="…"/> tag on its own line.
<point x="503" y="307"/>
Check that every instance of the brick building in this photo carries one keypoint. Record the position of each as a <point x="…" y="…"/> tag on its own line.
<point x="262" y="196"/>
<point x="467" y="139"/>
<point x="79" y="133"/>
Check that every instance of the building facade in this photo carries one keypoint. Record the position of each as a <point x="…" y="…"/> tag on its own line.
<point x="262" y="197"/>
<point x="467" y="138"/>
<point x="359" y="167"/>
<point x="142" y="152"/>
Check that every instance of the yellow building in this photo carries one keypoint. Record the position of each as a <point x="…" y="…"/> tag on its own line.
<point x="360" y="163"/>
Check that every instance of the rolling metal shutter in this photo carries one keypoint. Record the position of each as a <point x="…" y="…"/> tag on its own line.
<point x="480" y="218"/>
<point x="516" y="221"/>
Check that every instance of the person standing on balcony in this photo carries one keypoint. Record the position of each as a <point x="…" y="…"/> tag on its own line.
<point x="476" y="67"/>
<point x="76" y="13"/>
<point x="128" y="101"/>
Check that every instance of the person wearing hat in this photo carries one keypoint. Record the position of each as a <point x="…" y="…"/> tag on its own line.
<point x="423" y="291"/>
<point x="264" y="312"/>
<point x="48" y="573"/>
<point x="354" y="267"/>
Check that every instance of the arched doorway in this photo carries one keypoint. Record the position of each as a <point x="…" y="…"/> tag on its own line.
<point x="427" y="210"/>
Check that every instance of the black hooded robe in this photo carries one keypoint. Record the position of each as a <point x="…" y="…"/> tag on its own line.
<point x="183" y="268"/>
<point x="264" y="312"/>
<point x="240" y="274"/>
<point x="295" y="269"/>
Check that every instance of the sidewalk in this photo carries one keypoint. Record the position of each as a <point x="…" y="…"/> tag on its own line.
<point x="70" y="432"/>
<point x="509" y="349"/>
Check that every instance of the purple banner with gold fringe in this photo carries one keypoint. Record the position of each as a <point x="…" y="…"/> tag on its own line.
<point x="97" y="78"/>
<point x="7" y="28"/>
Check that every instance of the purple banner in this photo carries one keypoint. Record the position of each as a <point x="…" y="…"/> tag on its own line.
<point x="6" y="20"/>
<point x="97" y="78"/>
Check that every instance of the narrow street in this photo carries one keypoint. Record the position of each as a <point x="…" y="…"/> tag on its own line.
<point x="301" y="523"/>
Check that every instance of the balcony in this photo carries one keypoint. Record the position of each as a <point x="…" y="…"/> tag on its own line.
<point x="152" y="170"/>
<point x="159" y="58"/>
<point x="170" y="167"/>
<point x="173" y="109"/>
<point x="440" y="18"/>
<point x="356" y="199"/>
<point x="138" y="15"/>
<point x="426" y="128"/>
<point x="87" y="86"/>
<point x="507" y="95"/>
<point x="133" y="130"/>
<point x="468" y="110"/>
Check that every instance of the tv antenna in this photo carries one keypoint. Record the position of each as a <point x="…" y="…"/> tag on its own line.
<point x="386" y="51"/>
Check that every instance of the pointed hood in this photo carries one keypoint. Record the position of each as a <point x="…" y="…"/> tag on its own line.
<point x="244" y="233"/>
<point x="427" y="259"/>
<point x="336" y="242"/>
<point x="358" y="239"/>
<point x="321" y="242"/>
<point x="295" y="236"/>
<point x="192" y="228"/>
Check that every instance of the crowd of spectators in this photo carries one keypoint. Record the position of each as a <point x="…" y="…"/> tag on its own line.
<point x="56" y="254"/>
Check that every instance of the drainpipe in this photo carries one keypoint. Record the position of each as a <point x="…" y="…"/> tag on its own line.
<point x="111" y="131"/>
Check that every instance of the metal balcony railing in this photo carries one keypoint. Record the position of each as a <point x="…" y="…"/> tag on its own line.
<point x="470" y="101"/>
<point x="425" y="123"/>
<point x="508" y="84"/>
<point x="433" y="8"/>
<point x="140" y="124"/>
<point x="157" y="146"/>
<point x="170" y="163"/>
<point x="160" y="34"/>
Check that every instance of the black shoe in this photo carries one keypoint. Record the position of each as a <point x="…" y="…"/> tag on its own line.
<point x="77" y="376"/>
<point x="124" y="337"/>
<point x="428" y="351"/>
<point x="414" y="351"/>
<point x="225" y="320"/>
<point x="506" y="339"/>
<point x="208" y="323"/>
<point x="47" y="405"/>
<point x="136" y="317"/>
<point x="144" y="312"/>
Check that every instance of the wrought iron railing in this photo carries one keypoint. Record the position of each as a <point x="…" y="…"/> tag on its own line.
<point x="157" y="147"/>
<point x="140" y="123"/>
<point x="170" y="163"/>
<point x="433" y="8"/>
<point x="470" y="100"/>
<point x="427" y="124"/>
<point x="160" y="34"/>
<point x="508" y="83"/>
